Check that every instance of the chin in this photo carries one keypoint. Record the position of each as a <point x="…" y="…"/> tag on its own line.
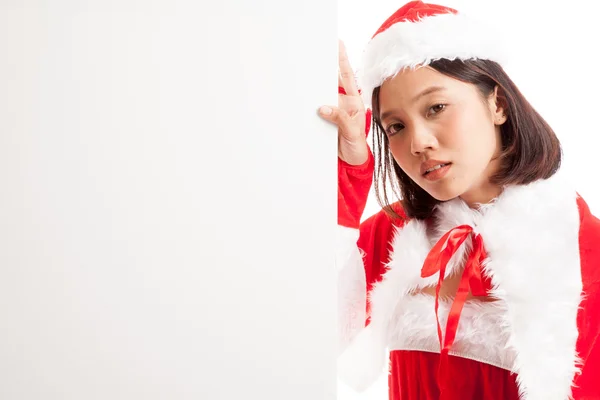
<point x="443" y="197"/>
<point x="445" y="193"/>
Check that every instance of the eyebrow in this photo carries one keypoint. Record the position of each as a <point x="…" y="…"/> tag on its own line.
<point x="429" y="90"/>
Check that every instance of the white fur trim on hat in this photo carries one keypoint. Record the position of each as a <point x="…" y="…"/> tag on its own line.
<point x="410" y="44"/>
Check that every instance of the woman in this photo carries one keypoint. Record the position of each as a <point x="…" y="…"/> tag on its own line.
<point x="483" y="281"/>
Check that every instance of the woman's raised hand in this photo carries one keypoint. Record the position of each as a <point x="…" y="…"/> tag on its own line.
<point x="349" y="115"/>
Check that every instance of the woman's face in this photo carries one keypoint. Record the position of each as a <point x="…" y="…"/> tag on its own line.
<point x="442" y="133"/>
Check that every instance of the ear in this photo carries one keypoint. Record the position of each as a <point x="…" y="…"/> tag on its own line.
<point x="497" y="103"/>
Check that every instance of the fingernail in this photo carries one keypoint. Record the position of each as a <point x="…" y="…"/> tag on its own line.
<point x="325" y="110"/>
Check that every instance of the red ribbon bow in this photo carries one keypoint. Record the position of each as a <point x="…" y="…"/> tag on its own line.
<point x="472" y="280"/>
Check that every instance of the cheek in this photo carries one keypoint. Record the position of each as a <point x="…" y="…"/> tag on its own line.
<point x="474" y="138"/>
<point x="487" y="143"/>
<point x="400" y="151"/>
<point x="458" y="132"/>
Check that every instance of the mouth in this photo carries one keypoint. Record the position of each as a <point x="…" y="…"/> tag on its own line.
<point x="435" y="168"/>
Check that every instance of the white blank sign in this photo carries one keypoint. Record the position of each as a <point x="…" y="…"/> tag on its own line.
<point x="167" y="200"/>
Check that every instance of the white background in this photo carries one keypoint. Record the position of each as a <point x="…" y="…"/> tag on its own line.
<point x="554" y="65"/>
<point x="167" y="200"/>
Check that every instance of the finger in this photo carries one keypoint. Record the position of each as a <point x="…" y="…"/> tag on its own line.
<point x="327" y="112"/>
<point x="339" y="117"/>
<point x="346" y="76"/>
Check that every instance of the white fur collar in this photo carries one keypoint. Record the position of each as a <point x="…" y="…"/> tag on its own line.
<point x="531" y="235"/>
<point x="414" y="328"/>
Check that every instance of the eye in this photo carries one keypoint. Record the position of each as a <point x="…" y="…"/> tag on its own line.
<point x="436" y="109"/>
<point x="393" y="129"/>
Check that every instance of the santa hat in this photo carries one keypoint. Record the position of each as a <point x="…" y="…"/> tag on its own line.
<point x="419" y="33"/>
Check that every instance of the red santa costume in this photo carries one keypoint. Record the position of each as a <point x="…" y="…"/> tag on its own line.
<point x="535" y="250"/>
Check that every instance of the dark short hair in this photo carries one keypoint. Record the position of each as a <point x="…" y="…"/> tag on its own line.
<point x="530" y="148"/>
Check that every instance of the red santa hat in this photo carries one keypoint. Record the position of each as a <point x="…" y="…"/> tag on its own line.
<point x="419" y="33"/>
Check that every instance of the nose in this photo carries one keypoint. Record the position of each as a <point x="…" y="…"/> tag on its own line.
<point x="422" y="140"/>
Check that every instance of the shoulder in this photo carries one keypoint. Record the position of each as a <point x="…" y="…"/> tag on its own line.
<point x="589" y="243"/>
<point x="377" y="231"/>
<point x="590" y="224"/>
<point x="376" y="235"/>
<point x="382" y="222"/>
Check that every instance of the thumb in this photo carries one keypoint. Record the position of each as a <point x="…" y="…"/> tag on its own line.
<point x="339" y="117"/>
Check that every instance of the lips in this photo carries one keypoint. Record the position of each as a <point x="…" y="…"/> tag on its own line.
<point x="432" y="165"/>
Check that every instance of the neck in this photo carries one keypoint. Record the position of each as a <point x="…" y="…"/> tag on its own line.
<point x="483" y="194"/>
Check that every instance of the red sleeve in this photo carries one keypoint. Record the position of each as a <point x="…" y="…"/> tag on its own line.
<point x="587" y="384"/>
<point x="354" y="184"/>
<point x="376" y="232"/>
